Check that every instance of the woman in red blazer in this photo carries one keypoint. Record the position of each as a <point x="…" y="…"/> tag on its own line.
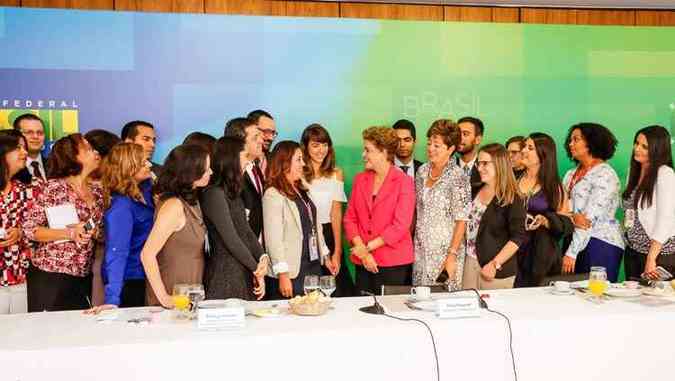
<point x="379" y="214"/>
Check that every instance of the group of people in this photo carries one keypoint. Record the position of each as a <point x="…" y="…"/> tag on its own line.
<point x="250" y="220"/>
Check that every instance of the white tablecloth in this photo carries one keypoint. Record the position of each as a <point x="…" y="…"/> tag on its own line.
<point x="555" y="338"/>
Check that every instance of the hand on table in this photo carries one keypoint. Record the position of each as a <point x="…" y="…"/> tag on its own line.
<point x="568" y="264"/>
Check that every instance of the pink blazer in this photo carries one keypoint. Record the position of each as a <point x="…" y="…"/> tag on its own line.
<point x="388" y="216"/>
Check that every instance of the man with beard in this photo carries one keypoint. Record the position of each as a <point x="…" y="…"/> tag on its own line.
<point x="471" y="130"/>
<point x="268" y="128"/>
<point x="405" y="130"/>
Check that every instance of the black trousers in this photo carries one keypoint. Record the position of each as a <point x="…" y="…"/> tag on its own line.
<point x="386" y="276"/>
<point x="48" y="291"/>
<point x="634" y="263"/>
<point x="344" y="286"/>
<point x="133" y="293"/>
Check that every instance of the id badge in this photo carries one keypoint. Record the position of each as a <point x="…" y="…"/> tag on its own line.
<point x="313" y="248"/>
<point x="629" y="218"/>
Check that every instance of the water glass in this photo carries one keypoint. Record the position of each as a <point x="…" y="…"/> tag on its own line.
<point x="311" y="283"/>
<point x="327" y="284"/>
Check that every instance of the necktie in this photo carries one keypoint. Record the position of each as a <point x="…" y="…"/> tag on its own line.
<point x="257" y="174"/>
<point x="404" y="168"/>
<point x="37" y="172"/>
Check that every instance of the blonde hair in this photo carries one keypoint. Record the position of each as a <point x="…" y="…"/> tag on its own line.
<point x="118" y="170"/>
<point x="506" y="188"/>
<point x="384" y="139"/>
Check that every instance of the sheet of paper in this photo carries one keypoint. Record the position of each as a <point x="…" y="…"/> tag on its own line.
<point x="59" y="217"/>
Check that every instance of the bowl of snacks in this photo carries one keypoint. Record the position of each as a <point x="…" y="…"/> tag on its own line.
<point x="312" y="304"/>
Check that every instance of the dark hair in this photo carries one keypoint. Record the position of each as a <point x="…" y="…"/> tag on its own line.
<point x="255" y="115"/>
<point x="659" y="151"/>
<point x="202" y="139"/>
<point x="237" y="127"/>
<point x="227" y="166"/>
<point x="62" y="160"/>
<point x="599" y="139"/>
<point x="17" y="122"/>
<point x="130" y="130"/>
<point x="278" y="165"/>
<point x="517" y="139"/>
<point x="316" y="132"/>
<point x="102" y="141"/>
<point x="405" y="124"/>
<point x="8" y="143"/>
<point x="184" y="165"/>
<point x="548" y="177"/>
<point x="478" y="127"/>
<point x="447" y="130"/>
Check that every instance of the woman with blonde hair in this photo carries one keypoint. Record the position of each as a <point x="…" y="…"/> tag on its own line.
<point x="496" y="223"/>
<point x="128" y="219"/>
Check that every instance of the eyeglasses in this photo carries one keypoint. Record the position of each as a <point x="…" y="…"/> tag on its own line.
<point x="271" y="133"/>
<point x="483" y="163"/>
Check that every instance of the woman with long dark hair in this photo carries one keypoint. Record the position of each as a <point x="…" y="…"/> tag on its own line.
<point x="326" y="186"/>
<point x="236" y="265"/>
<point x="546" y="221"/>
<point x="650" y="205"/>
<point x="593" y="190"/>
<point x="15" y="200"/>
<point x="174" y="251"/>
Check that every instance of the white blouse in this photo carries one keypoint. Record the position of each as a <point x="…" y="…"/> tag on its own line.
<point x="323" y="192"/>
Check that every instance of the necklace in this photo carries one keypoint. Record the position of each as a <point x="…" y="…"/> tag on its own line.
<point x="432" y="177"/>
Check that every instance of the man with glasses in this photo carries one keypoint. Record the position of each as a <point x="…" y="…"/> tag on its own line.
<point x="268" y="128"/>
<point x="33" y="128"/>
<point x="514" y="146"/>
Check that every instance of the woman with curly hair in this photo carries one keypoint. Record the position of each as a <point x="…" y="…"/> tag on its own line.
<point x="127" y="197"/>
<point x="593" y="190"/>
<point x="379" y="214"/>
<point x="174" y="251"/>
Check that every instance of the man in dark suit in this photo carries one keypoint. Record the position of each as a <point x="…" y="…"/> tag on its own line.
<point x="471" y="130"/>
<point x="254" y="179"/>
<point x="33" y="129"/>
<point x="143" y="134"/>
<point x="405" y="155"/>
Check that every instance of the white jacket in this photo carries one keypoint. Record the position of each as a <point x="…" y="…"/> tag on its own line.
<point x="659" y="218"/>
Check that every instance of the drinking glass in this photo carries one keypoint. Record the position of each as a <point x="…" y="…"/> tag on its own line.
<point x="597" y="281"/>
<point x="195" y="294"/>
<point x="327" y="284"/>
<point x="181" y="301"/>
<point x="311" y="283"/>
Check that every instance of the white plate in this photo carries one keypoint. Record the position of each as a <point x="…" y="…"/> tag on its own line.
<point x="579" y="284"/>
<point x="621" y="292"/>
<point x="415" y="299"/>
<point x="426" y="305"/>
<point x="559" y="293"/>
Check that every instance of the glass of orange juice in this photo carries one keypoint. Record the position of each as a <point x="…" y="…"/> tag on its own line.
<point x="181" y="301"/>
<point x="597" y="281"/>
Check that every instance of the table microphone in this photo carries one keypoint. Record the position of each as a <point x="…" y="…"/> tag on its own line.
<point x="375" y="309"/>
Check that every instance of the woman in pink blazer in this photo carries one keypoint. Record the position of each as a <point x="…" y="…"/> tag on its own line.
<point x="379" y="214"/>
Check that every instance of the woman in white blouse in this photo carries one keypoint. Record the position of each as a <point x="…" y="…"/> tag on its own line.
<point x="326" y="187"/>
<point x="649" y="205"/>
<point x="593" y="190"/>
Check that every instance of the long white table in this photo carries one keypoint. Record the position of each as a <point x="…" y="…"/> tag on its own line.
<point x="554" y="338"/>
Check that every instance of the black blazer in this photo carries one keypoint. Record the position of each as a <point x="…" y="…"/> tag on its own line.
<point x="253" y="202"/>
<point x="417" y="164"/>
<point x="475" y="181"/>
<point x="498" y="226"/>
<point x="24" y="175"/>
<point x="543" y="256"/>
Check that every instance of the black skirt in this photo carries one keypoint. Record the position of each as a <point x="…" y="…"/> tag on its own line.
<point x="47" y="291"/>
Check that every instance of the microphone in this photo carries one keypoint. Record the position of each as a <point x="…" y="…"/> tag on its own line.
<point x="375" y="309"/>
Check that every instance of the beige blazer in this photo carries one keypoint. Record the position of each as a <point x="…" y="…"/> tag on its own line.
<point x="283" y="234"/>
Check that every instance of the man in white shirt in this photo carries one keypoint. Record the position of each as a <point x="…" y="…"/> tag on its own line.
<point x="471" y="130"/>
<point x="405" y="155"/>
<point x="32" y="127"/>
